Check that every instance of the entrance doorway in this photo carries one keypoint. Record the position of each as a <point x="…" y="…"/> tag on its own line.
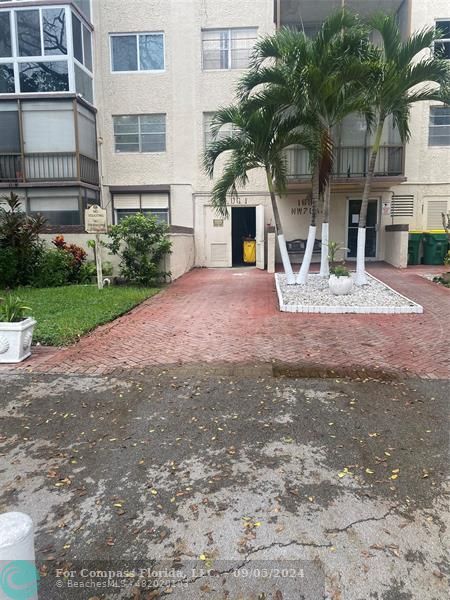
<point x="354" y="207"/>
<point x="243" y="225"/>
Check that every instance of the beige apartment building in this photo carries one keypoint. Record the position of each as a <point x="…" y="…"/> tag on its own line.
<point x="110" y="102"/>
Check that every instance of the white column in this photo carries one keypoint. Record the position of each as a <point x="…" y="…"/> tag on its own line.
<point x="360" y="278"/>
<point x="304" y="269"/>
<point x="290" y="277"/>
<point x="324" y="263"/>
<point x="271" y="252"/>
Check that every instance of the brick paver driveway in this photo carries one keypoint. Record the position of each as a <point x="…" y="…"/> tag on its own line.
<point x="231" y="316"/>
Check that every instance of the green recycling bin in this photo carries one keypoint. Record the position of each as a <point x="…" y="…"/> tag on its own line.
<point x="435" y="246"/>
<point x="414" y="241"/>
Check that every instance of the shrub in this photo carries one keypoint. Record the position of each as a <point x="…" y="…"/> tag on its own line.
<point x="8" y="267"/>
<point x="53" y="269"/>
<point x="340" y="271"/>
<point x="88" y="271"/>
<point x="20" y="246"/>
<point x="447" y="259"/>
<point x="141" y="243"/>
<point x="77" y="256"/>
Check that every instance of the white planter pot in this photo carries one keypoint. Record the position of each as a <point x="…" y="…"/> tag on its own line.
<point x="15" y="340"/>
<point x="339" y="286"/>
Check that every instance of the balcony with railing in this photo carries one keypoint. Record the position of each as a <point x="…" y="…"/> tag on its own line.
<point x="350" y="162"/>
<point x="48" y="167"/>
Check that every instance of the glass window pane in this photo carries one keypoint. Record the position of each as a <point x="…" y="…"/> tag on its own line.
<point x="127" y="138"/>
<point x="153" y="142"/>
<point x="127" y="146"/>
<point x="59" y="217"/>
<point x="242" y="42"/>
<point x="439" y="130"/>
<point x="84" y="6"/>
<point x="215" y="49"/>
<point x="28" y="33"/>
<point x="54" y="27"/>
<point x="77" y="41"/>
<point x="124" y="53"/>
<point x="87" y="48"/>
<point x="5" y="35"/>
<point x="126" y="124"/>
<point x="444" y="29"/>
<point x="6" y="79"/>
<point x="442" y="49"/>
<point x="153" y="123"/>
<point x="83" y="84"/>
<point x="9" y="126"/>
<point x="161" y="214"/>
<point x="151" y="52"/>
<point x="57" y="210"/>
<point x="44" y="77"/>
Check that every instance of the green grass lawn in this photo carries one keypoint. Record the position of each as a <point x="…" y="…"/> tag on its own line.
<point x="64" y="314"/>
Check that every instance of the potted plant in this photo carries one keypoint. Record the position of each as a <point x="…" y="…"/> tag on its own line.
<point x="16" y="330"/>
<point x="340" y="281"/>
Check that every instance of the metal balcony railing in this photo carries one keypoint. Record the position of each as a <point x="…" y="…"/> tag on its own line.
<point x="41" y="167"/>
<point x="349" y="162"/>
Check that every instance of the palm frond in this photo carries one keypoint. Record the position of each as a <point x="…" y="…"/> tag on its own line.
<point x="216" y="148"/>
<point x="387" y="27"/>
<point x="420" y="40"/>
<point x="234" y="174"/>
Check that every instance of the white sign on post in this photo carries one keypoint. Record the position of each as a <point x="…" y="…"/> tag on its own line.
<point x="95" y="219"/>
<point x="95" y="222"/>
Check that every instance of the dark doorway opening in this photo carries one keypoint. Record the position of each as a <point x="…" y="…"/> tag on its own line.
<point x="243" y="225"/>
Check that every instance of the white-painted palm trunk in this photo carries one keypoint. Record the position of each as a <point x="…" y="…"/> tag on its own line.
<point x="290" y="277"/>
<point x="324" y="261"/>
<point x="360" y="278"/>
<point x="306" y="263"/>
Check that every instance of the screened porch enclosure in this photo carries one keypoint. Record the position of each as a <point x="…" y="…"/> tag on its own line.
<point x="47" y="140"/>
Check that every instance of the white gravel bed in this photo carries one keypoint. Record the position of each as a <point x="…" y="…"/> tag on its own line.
<point x="315" y="297"/>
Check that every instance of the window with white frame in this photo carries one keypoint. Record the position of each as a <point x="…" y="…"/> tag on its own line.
<point x="146" y="203"/>
<point x="439" y="127"/>
<point x="140" y="133"/>
<point x="137" y="52"/>
<point x="442" y="45"/>
<point x="225" y="131"/>
<point x="34" y="53"/>
<point x="227" y="48"/>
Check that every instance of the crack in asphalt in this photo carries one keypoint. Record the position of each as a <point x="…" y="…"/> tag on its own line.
<point x="341" y="529"/>
<point x="250" y="553"/>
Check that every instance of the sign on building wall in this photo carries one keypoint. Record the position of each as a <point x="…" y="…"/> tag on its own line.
<point x="95" y="219"/>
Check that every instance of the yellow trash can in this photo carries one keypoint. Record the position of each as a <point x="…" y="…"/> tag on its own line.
<point x="249" y="251"/>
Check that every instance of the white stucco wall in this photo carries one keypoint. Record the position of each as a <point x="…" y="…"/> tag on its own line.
<point x="182" y="258"/>
<point x="183" y="91"/>
<point x="396" y="248"/>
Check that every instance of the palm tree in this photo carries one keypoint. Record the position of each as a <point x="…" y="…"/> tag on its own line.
<point x="318" y="82"/>
<point x="258" y="141"/>
<point x="399" y="79"/>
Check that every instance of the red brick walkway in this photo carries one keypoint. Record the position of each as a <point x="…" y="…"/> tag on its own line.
<point x="231" y="316"/>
